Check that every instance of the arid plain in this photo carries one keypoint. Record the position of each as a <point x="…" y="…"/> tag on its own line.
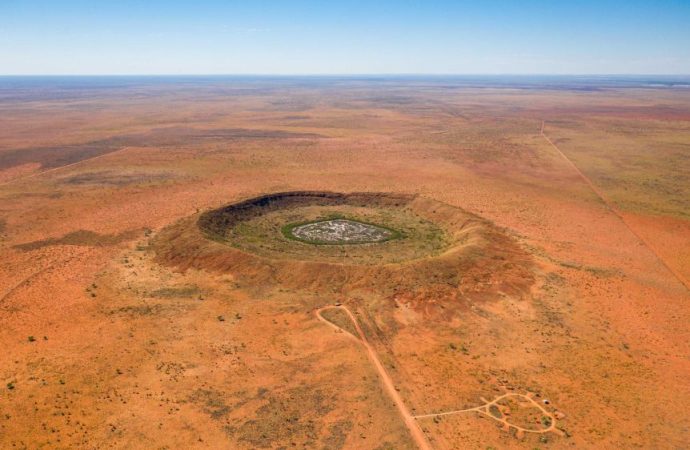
<point x="567" y="300"/>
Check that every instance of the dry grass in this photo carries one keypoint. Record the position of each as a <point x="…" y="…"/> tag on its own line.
<point x="562" y="300"/>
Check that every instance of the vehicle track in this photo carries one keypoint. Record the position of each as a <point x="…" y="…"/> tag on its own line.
<point x="409" y="419"/>
<point x="26" y="282"/>
<point x="410" y="422"/>
<point x="485" y="411"/>
<point x="611" y="207"/>
<point x="54" y="169"/>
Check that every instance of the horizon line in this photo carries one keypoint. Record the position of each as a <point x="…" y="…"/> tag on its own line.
<point x="364" y="74"/>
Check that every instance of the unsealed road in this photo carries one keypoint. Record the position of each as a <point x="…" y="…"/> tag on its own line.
<point x="409" y="420"/>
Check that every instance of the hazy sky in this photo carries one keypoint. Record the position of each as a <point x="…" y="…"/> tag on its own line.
<point x="344" y="37"/>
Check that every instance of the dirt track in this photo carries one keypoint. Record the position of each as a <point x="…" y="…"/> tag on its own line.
<point x="409" y="419"/>
<point x="616" y="212"/>
<point x="387" y="381"/>
<point x="208" y="346"/>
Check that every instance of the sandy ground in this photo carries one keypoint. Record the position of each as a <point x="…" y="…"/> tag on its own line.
<point x="105" y="348"/>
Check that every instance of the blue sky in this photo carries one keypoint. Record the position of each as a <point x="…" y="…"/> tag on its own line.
<point x="344" y="37"/>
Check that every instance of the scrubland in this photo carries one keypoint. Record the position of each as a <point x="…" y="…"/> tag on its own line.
<point x="113" y="338"/>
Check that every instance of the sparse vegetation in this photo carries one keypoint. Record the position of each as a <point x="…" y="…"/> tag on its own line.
<point x="269" y="230"/>
<point x="339" y="231"/>
<point x="510" y="274"/>
<point x="339" y="318"/>
<point x="176" y="292"/>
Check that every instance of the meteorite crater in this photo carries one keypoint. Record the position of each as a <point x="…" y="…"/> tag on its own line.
<point x="339" y="231"/>
<point x="411" y="246"/>
<point x="359" y="228"/>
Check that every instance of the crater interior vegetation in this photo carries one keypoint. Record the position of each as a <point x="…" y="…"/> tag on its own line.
<point x="385" y="227"/>
<point x="339" y="231"/>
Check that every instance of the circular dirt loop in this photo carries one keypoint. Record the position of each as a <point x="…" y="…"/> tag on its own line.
<point x="339" y="231"/>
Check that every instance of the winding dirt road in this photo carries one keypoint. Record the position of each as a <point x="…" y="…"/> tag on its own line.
<point x="410" y="420"/>
<point x="388" y="384"/>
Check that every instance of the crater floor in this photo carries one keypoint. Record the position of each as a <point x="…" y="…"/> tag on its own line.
<point x="339" y="231"/>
